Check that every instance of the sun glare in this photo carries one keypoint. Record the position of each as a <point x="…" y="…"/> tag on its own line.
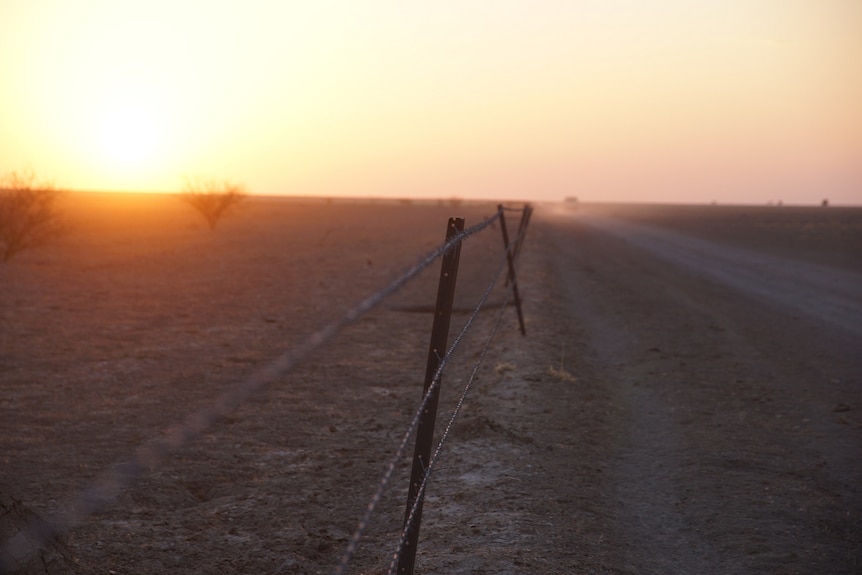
<point x="128" y="134"/>
<point x="622" y="100"/>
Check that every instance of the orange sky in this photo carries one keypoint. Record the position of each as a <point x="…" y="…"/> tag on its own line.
<point x="733" y="101"/>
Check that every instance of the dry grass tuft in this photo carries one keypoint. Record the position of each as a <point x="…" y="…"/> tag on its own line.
<point x="505" y="367"/>
<point x="561" y="374"/>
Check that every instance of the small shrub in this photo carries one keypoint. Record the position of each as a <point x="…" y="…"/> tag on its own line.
<point x="29" y="216"/>
<point x="211" y="199"/>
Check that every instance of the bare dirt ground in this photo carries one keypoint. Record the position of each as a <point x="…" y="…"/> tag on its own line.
<point x="738" y="432"/>
<point x="707" y="428"/>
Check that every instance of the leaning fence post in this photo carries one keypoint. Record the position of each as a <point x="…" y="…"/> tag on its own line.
<point x="522" y="231"/>
<point x="425" y="429"/>
<point x="511" y="262"/>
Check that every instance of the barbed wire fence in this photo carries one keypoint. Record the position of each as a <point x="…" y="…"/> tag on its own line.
<point x="396" y="563"/>
<point x="149" y="456"/>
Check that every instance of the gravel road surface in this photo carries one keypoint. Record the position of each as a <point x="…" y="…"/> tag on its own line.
<point x="735" y="376"/>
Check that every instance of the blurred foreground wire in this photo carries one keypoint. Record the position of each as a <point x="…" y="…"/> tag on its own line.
<point x="17" y="550"/>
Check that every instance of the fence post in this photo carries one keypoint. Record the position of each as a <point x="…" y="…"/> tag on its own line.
<point x="425" y="429"/>
<point x="522" y="229"/>
<point x="510" y="259"/>
<point x="526" y="213"/>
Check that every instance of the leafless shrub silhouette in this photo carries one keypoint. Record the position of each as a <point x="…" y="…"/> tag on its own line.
<point x="29" y="216"/>
<point x="211" y="199"/>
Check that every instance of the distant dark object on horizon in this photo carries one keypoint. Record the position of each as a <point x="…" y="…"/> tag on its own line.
<point x="824" y="203"/>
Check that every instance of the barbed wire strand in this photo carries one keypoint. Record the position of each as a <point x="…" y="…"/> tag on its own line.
<point x="353" y="544"/>
<point x="150" y="455"/>
<point x="432" y="462"/>
<point x="408" y="524"/>
<point x="382" y="485"/>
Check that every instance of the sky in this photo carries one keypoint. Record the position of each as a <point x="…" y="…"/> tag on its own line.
<point x="732" y="101"/>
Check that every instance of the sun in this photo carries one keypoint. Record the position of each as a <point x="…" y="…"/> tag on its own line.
<point x="128" y="133"/>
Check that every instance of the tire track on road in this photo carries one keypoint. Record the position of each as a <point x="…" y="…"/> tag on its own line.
<point x="819" y="292"/>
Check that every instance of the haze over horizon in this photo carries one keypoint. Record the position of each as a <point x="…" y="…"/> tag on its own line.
<point x="653" y="101"/>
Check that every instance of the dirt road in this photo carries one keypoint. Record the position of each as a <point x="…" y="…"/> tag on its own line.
<point x="734" y="381"/>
